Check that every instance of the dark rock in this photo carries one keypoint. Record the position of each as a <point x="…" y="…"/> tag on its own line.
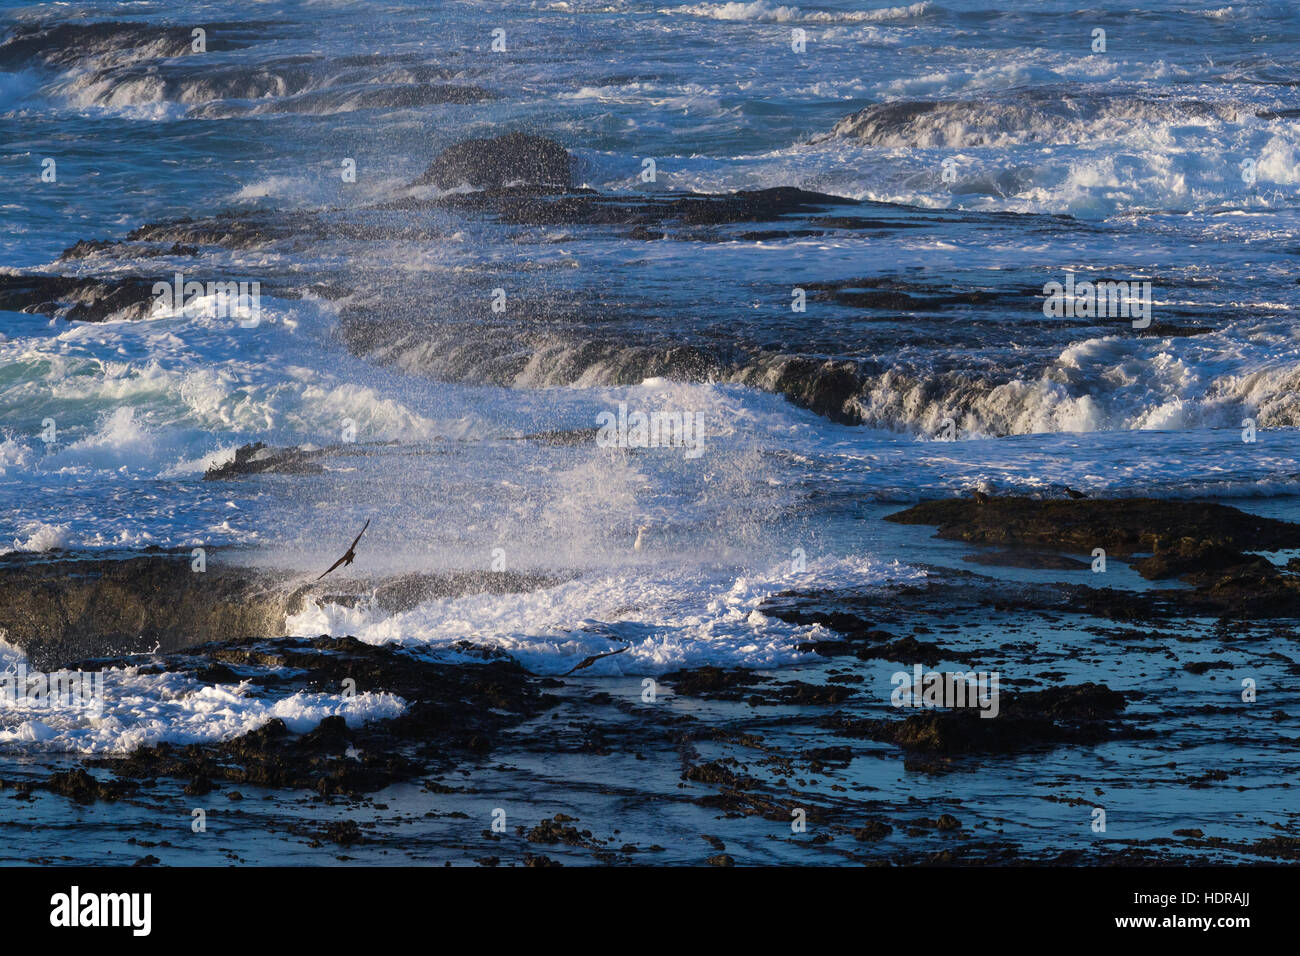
<point x="343" y="832"/>
<point x="81" y="787"/>
<point x="554" y="831"/>
<point x="83" y="248"/>
<point x="66" y="43"/>
<point x="1200" y="667"/>
<point x="714" y="772"/>
<point x="718" y="683"/>
<point x="452" y="709"/>
<point x="1176" y="558"/>
<point x="1123" y="527"/>
<point x="874" y="830"/>
<point x="1080" y="713"/>
<point x="1034" y="560"/>
<point x="64" y="610"/>
<point x="78" y="298"/>
<point x="829" y="755"/>
<point x="501" y="161"/>
<point x="824" y="386"/>
<point x="801" y="693"/>
<point x="1281" y="847"/>
<point x="198" y="787"/>
<point x="257" y="457"/>
<point x="534" y="206"/>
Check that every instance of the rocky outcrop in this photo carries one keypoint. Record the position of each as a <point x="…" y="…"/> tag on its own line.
<point x="64" y="608"/>
<point x="77" y="298"/>
<point x="515" y="158"/>
<point x="1184" y="534"/>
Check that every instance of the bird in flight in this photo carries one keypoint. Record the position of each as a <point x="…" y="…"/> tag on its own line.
<point x="351" y="554"/>
<point x="587" y="662"/>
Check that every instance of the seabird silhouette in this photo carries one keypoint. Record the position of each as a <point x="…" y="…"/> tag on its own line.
<point x="1076" y="495"/>
<point x="592" y="659"/>
<point x="351" y="554"/>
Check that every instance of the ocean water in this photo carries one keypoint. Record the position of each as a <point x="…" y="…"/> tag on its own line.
<point x="1127" y="163"/>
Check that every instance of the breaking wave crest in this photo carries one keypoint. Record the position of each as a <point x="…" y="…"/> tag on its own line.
<point x="1041" y="117"/>
<point x="765" y="12"/>
<point x="1108" y="383"/>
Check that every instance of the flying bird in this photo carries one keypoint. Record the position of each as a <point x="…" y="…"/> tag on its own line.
<point x="587" y="662"/>
<point x="351" y="554"/>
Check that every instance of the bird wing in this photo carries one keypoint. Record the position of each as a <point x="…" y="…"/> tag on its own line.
<point x="593" y="658"/>
<point x="333" y="566"/>
<point x="358" y="537"/>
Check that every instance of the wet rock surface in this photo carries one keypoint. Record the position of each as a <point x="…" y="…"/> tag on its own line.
<point x="256" y="458"/>
<point x="501" y="161"/>
<point x="1199" y="531"/>
<point x="1085" y="713"/>
<point x="1209" y="546"/>
<point x="60" y="607"/>
<point x="488" y="764"/>
<point x="451" y="710"/>
<point x="78" y="299"/>
<point x="816" y="762"/>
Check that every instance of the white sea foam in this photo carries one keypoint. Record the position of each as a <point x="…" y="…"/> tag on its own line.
<point x="142" y="709"/>
<point x="762" y="10"/>
<point x="39" y="536"/>
<point x="665" y="619"/>
<point x="959" y="124"/>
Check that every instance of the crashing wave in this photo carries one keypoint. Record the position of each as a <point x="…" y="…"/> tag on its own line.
<point x="764" y="12"/>
<point x="1041" y="117"/>
<point x="1090" y="386"/>
<point x="112" y="43"/>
